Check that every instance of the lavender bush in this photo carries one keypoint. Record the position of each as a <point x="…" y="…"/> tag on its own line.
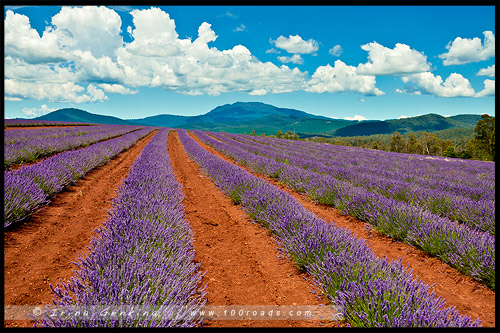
<point x="142" y="259"/>
<point x="23" y="188"/>
<point x="469" y="250"/>
<point x="369" y="290"/>
<point x="26" y="146"/>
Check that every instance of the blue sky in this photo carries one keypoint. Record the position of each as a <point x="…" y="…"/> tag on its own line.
<point x="346" y="62"/>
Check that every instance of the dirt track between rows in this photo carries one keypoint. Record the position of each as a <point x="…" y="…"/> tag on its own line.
<point x="467" y="295"/>
<point x="240" y="258"/>
<point x="39" y="252"/>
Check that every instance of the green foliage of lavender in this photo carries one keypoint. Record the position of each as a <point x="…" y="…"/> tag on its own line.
<point x="142" y="258"/>
<point x="370" y="291"/>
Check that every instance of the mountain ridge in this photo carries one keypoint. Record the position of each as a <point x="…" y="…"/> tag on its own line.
<point x="243" y="117"/>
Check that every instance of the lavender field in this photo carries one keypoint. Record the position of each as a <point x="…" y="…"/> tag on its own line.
<point x="143" y="254"/>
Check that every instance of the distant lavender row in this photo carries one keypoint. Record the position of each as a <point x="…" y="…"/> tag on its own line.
<point x="367" y="290"/>
<point x="28" y="188"/>
<point x="470" y="251"/>
<point x="27" y="146"/>
<point x="475" y="179"/>
<point x="33" y="122"/>
<point x="143" y="257"/>
<point x="478" y="213"/>
<point x="40" y="132"/>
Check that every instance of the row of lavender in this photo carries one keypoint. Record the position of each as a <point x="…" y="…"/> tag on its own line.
<point x="26" y="146"/>
<point x="368" y="290"/>
<point x="28" y="188"/>
<point x="473" y="179"/>
<point x="140" y="267"/>
<point x="359" y="171"/>
<point x="35" y="122"/>
<point x="469" y="250"/>
<point x="469" y="178"/>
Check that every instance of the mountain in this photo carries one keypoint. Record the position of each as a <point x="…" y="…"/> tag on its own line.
<point x="165" y="120"/>
<point x="429" y="123"/>
<point x="243" y="117"/>
<point x="77" y="115"/>
<point x="251" y="111"/>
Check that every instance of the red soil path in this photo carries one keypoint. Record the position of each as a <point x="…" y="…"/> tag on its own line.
<point x="467" y="295"/>
<point x="40" y="251"/>
<point x="240" y="257"/>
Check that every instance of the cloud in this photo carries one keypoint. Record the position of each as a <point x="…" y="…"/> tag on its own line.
<point x="241" y="27"/>
<point x="295" y="59"/>
<point x="466" y="50"/>
<point x="258" y="92"/>
<point x="54" y="92"/>
<point x="335" y="51"/>
<point x="489" y="71"/>
<point x="37" y="112"/>
<point x="489" y="89"/>
<point x="273" y="50"/>
<point x="88" y="28"/>
<point x="356" y="117"/>
<point x="117" y="89"/>
<point x="454" y="86"/>
<point x="401" y="60"/>
<point x="295" y="44"/>
<point x="64" y="65"/>
<point x="12" y="99"/>
<point x="228" y="14"/>
<point x="23" y="42"/>
<point x="342" y="78"/>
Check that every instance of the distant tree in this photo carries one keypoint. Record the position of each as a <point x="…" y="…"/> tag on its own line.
<point x="450" y="152"/>
<point x="483" y="144"/>
<point x="279" y="134"/>
<point x="252" y="133"/>
<point x="431" y="144"/>
<point x="397" y="143"/>
<point x="288" y="135"/>
<point x="414" y="147"/>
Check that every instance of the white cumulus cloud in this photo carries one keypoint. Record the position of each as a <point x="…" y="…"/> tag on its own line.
<point x="356" y="117"/>
<point x="37" y="112"/>
<point x="23" y="42"/>
<point x="342" y="78"/>
<point x="489" y="89"/>
<point x="295" y="59"/>
<point x="466" y="50"/>
<point x="454" y="86"/>
<point x="488" y="71"/>
<point x="401" y="60"/>
<point x="295" y="44"/>
<point x="335" y="51"/>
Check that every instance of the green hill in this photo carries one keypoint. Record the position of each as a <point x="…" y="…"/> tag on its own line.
<point x="77" y="115"/>
<point x="429" y="122"/>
